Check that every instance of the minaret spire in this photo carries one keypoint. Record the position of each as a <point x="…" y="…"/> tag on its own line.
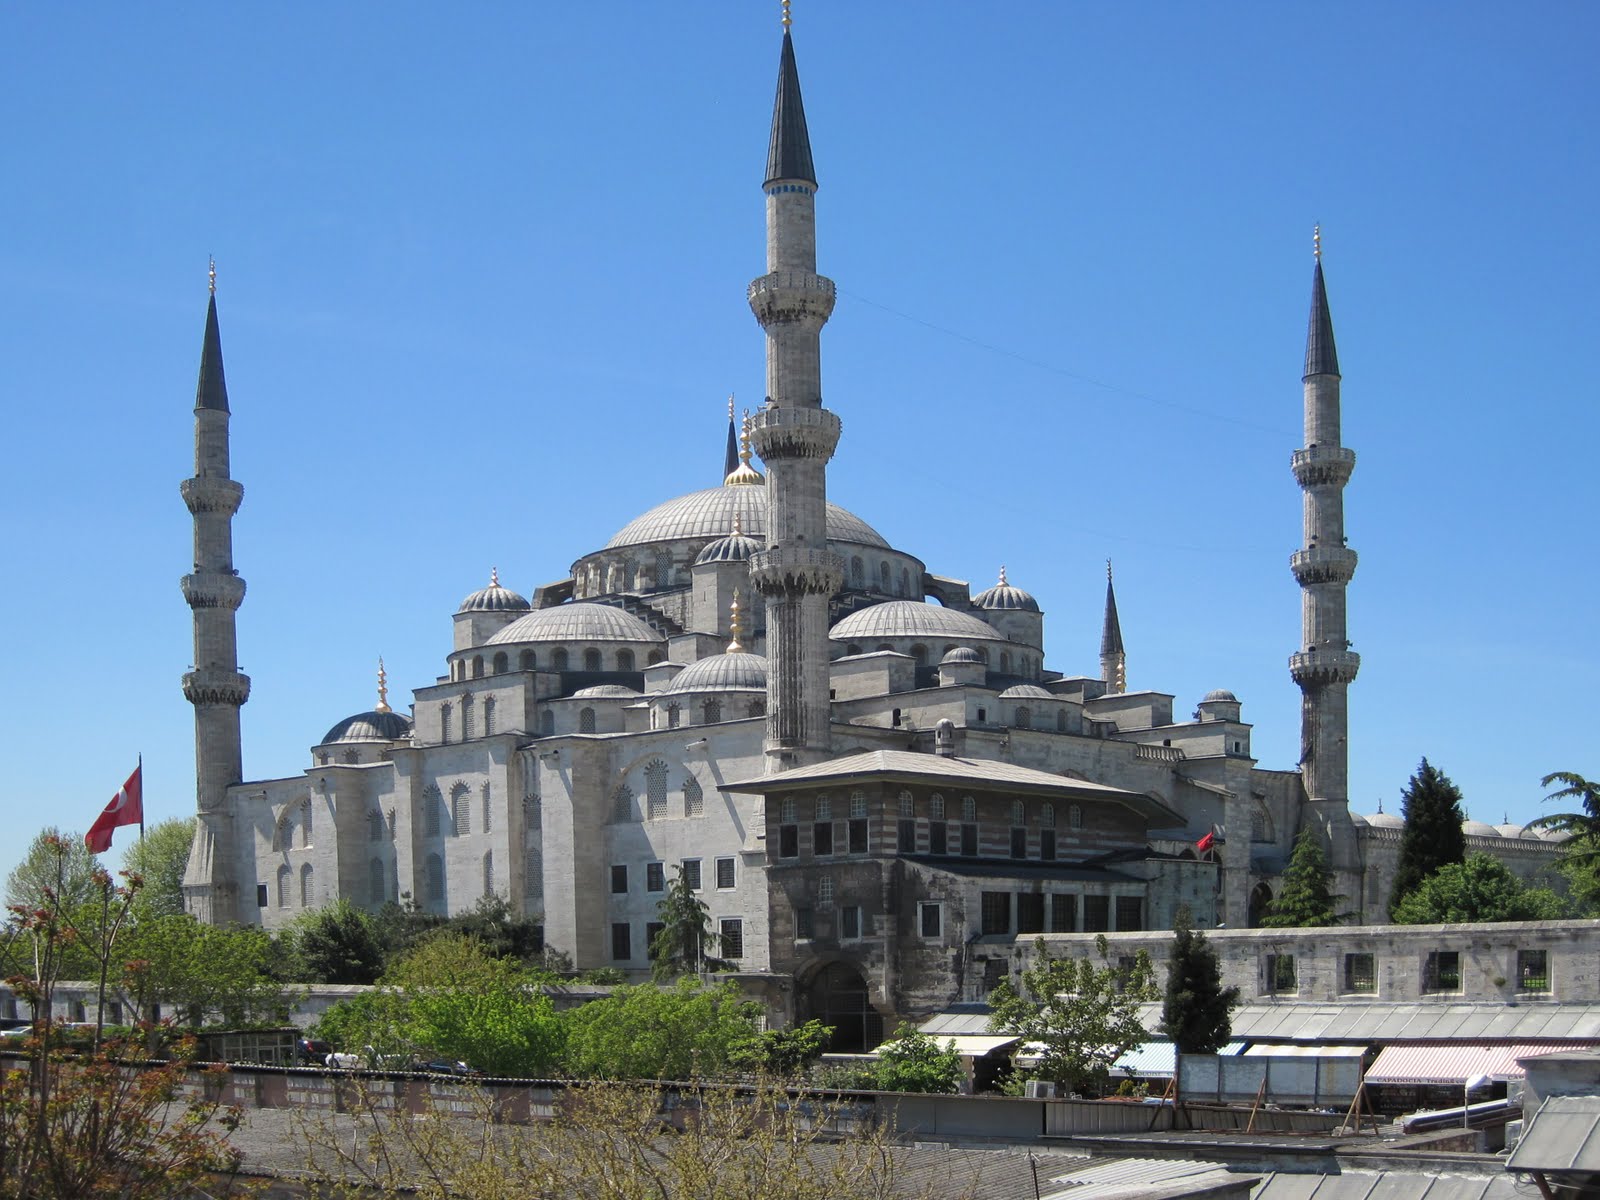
<point x="1113" y="659"/>
<point x="730" y="458"/>
<point x="214" y="685"/>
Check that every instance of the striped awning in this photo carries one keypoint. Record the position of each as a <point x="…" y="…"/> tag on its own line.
<point x="1457" y="1062"/>
<point x="1296" y="1050"/>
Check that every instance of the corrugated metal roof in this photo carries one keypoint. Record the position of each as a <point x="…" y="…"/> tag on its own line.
<point x="1564" y="1135"/>
<point x="1377" y="1021"/>
<point x="1453" y="1062"/>
<point x="968" y="1045"/>
<point x="1109" y="1177"/>
<point x="1159" y="1058"/>
<point x="1386" y="1185"/>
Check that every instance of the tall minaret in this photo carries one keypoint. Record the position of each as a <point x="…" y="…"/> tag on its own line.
<point x="1113" y="659"/>
<point x="214" y="686"/>
<point x="1325" y="664"/>
<point x="795" y="437"/>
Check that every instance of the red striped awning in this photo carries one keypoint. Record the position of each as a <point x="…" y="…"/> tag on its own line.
<point x="1457" y="1062"/>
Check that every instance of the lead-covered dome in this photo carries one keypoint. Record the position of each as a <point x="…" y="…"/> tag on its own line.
<point x="1479" y="829"/>
<point x="736" y="547"/>
<point x="711" y="513"/>
<point x="577" y="622"/>
<point x="911" y="618"/>
<point x="606" y="691"/>
<point x="1004" y="596"/>
<point x="1027" y="691"/>
<point x="494" y="598"/>
<point x="1220" y="696"/>
<point x="731" y="672"/>
<point x="1383" y="820"/>
<point x="369" y="727"/>
<point x="961" y="654"/>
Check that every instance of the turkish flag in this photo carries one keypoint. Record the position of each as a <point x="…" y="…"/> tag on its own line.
<point x="1206" y="842"/>
<point x="126" y="808"/>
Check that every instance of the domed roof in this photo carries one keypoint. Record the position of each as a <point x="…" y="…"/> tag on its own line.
<point x="710" y="514"/>
<point x="1508" y="830"/>
<point x="578" y="622"/>
<point x="733" y="548"/>
<point x="1003" y="596"/>
<point x="369" y="727"/>
<point x="604" y="690"/>
<point x="1027" y="691"/>
<point x="494" y="598"/>
<point x="1554" y="835"/>
<point x="1220" y="696"/>
<point x="962" y="654"/>
<point x="731" y="672"/>
<point x="1479" y="829"/>
<point x="1383" y="820"/>
<point x="911" y="618"/>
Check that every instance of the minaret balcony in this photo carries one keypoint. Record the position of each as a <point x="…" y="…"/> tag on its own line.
<point x="792" y="298"/>
<point x="1319" y="667"/>
<point x="780" y="431"/>
<point x="1323" y="564"/>
<point x="1321" y="465"/>
<point x="213" y="589"/>
<point x="216" y="687"/>
<point x="796" y="570"/>
<point x="212" y="494"/>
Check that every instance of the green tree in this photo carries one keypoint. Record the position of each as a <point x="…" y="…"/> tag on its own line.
<point x="1432" y="837"/>
<point x="915" y="1062"/>
<point x="787" y="1053"/>
<point x="691" y="1030"/>
<point x="1480" y="889"/>
<point x="58" y="867"/>
<point x="1196" y="1011"/>
<point x="501" y="931"/>
<point x="683" y="944"/>
<point x="1582" y="849"/>
<point x="203" y="973"/>
<point x="159" y="858"/>
<point x="1306" y="900"/>
<point x="1086" y="1016"/>
<point x="337" y="943"/>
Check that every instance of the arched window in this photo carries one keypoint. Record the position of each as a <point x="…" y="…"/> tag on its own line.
<point x="1075" y="816"/>
<point x="663" y="569"/>
<point x="1047" y="815"/>
<point x="1024" y="718"/>
<point x="558" y="660"/>
<point x="528" y="660"/>
<point x="936" y="807"/>
<point x="622" y="803"/>
<point x="591" y="660"/>
<point x="488" y="873"/>
<point x="908" y="806"/>
<point x="444" y="722"/>
<point x="307" y="881"/>
<point x="786" y="811"/>
<point x="654" y="657"/>
<point x="905" y="581"/>
<point x="1005" y="662"/>
<point x="858" y="573"/>
<point x="350" y="756"/>
<point x="376" y="892"/>
<point x="305" y="823"/>
<point x="468" y="731"/>
<point x="432" y="811"/>
<point x="883" y="577"/>
<point x="1061" y="720"/>
<point x="477" y="666"/>
<point x="920" y="653"/>
<point x="285" y="876"/>
<point x="655" y="786"/>
<point x="502" y="663"/>
<point x="547" y="723"/>
<point x="858" y="805"/>
<point x="375" y="826"/>
<point x="488" y="810"/>
<point x="969" y="809"/>
<point x="460" y="810"/>
<point x="758" y="708"/>
<point x="1019" y="813"/>
<point x="586" y="720"/>
<point x="713" y="711"/>
<point x="882" y="646"/>
<point x="532" y="876"/>
<point x="624" y="660"/>
<point x="488" y="716"/>
<point x="433" y="878"/>
<point x="852" y="648"/>
<point x="674" y="715"/>
<point x="694" y="797"/>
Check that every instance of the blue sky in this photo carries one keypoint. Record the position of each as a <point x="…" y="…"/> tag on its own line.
<point x="481" y="276"/>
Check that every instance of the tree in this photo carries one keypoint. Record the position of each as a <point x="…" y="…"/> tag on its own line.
<point x="502" y="932"/>
<point x="915" y="1062"/>
<point x="337" y="943"/>
<point x="1480" y="889"/>
<point x="691" y="1030"/>
<point x="1085" y="1016"/>
<point x="1432" y="837"/>
<point x="1582" y="827"/>
<point x="159" y="858"/>
<point x="1306" y="900"/>
<point x="203" y="973"/>
<point x="1196" y="1011"/>
<point x="58" y="866"/>
<point x="683" y="943"/>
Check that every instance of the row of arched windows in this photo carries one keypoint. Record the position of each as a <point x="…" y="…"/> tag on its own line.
<point x="433" y="878"/>
<point x="560" y="659"/>
<point x="711" y="712"/>
<point x="435" y="812"/>
<point x="286" y="885"/>
<point x="294" y="827"/>
<point x="657" y="806"/>
<point x="886" y="580"/>
<point x="469" y="718"/>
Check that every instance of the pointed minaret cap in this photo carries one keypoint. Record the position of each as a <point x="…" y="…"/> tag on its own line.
<point x="212" y="391"/>
<point x="1111" y="635"/>
<point x="383" y="688"/>
<point x="789" y="151"/>
<point x="730" y="457"/>
<point x="1322" y="358"/>
<point x="744" y="474"/>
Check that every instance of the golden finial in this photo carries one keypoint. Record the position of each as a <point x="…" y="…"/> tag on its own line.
<point x="1002" y="576"/>
<point x="737" y="515"/>
<point x="494" y="576"/>
<point x="735" y="625"/>
<point x="1108" y="570"/>
<point x="211" y="274"/>
<point x="730" y="408"/>
<point x="1316" y="241"/>
<point x="744" y="473"/>
<point x="383" y="687"/>
<point x="786" y="16"/>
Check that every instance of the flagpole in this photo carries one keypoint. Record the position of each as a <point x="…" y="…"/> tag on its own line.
<point x="141" y="797"/>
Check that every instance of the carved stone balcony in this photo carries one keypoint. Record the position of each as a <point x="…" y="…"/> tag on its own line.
<point x="1320" y="667"/>
<point x="789" y="571"/>
<point x="208" y="494"/>
<point x="780" y="431"/>
<point x="212" y="589"/>
<point x="1323" y="564"/>
<point x="792" y="298"/>
<point x="216" y="687"/>
<point x="1322" y="465"/>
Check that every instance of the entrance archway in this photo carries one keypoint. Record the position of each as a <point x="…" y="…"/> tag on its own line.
<point x="1260" y="897"/>
<point x="837" y="996"/>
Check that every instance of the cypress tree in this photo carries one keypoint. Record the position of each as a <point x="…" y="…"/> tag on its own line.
<point x="1306" y="900"/>
<point x="1197" y="1011"/>
<point x="1432" y="838"/>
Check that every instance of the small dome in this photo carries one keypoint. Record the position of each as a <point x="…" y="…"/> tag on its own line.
<point x="732" y="672"/>
<point x="1554" y="835"/>
<point x="736" y="547"/>
<point x="1383" y="820"/>
<point x="369" y="727"/>
<point x="577" y="622"/>
<point x="911" y="618"/>
<point x="605" y="691"/>
<point x="1003" y="596"/>
<point x="1479" y="829"/>
<point x="962" y="654"/>
<point x="1027" y="691"/>
<point x="494" y="598"/>
<point x="1508" y="830"/>
<point x="1220" y="696"/>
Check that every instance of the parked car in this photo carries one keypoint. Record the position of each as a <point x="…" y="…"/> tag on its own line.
<point x="445" y="1066"/>
<point x="314" y="1050"/>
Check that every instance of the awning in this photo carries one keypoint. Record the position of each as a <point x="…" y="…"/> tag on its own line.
<point x="1158" y="1059"/>
<point x="1298" y="1050"/>
<point x="1447" y="1063"/>
<point x="968" y="1045"/>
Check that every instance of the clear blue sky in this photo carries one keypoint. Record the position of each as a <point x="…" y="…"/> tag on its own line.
<point x="481" y="275"/>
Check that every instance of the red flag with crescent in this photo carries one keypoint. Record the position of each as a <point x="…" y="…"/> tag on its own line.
<point x="126" y="808"/>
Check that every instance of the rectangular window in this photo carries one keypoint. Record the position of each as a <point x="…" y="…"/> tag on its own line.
<point x="1130" y="913"/>
<point x="969" y="841"/>
<point x="1030" y="912"/>
<point x="930" y="919"/>
<point x="261" y="895"/>
<point x="1441" y="972"/>
<point x="849" y="922"/>
<point x="536" y="942"/>
<point x="805" y="925"/>
<point x="936" y="837"/>
<point x="1280" y="974"/>
<point x="655" y="877"/>
<point x="1019" y="842"/>
<point x="906" y="837"/>
<point x="724" y="872"/>
<point x="732" y="941"/>
<point x="1063" y="914"/>
<point x="619" y="880"/>
<point x="1047" y="845"/>
<point x="1359" y="975"/>
<point x="691" y="873"/>
<point x="651" y="930"/>
<point x="858" y="835"/>
<point x="1533" y="971"/>
<point x="788" y="841"/>
<point x="996" y="912"/>
<point x="822" y="838"/>
<point x="1096" y="914"/>
<point x="621" y="941"/>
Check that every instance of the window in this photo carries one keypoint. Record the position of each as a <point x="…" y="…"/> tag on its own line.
<point x="1441" y="972"/>
<point x="586" y="720"/>
<point x="1030" y="912"/>
<point x="652" y="930"/>
<point x="1063" y="914"/>
<point x="858" y="822"/>
<point x="1047" y="816"/>
<point x="883" y="577"/>
<point x="788" y="841"/>
<point x="444" y="722"/>
<point x="488" y="805"/>
<point x="528" y="660"/>
<point x="694" y="797"/>
<point x="1130" y="913"/>
<point x="285" y="875"/>
<point x="732" y="939"/>
<point x="713" y="711"/>
<point x="937" y="837"/>
<point x="622" y="804"/>
<point x="674" y="716"/>
<point x="655" y="787"/>
<point x="655" y="877"/>
<point x="906" y="836"/>
<point x="822" y="827"/>
<point x="724" y="872"/>
<point x="467" y="730"/>
<point x="591" y="660"/>
<point x="758" y="707"/>
<point x="1096" y="914"/>
<point x="488" y="713"/>
<point x="1047" y="845"/>
<point x="908" y="806"/>
<point x="619" y="879"/>
<point x="969" y="809"/>
<point x="547" y="723"/>
<point x="1533" y="971"/>
<point x="936" y="807"/>
<point x="559" y="660"/>
<point x="261" y="898"/>
<point x="433" y="875"/>
<point x="375" y="826"/>
<point x="1024" y="718"/>
<point x="307" y="897"/>
<point x="621" y="941"/>
<point x="1075" y="816"/>
<point x="460" y="810"/>
<point x="930" y="919"/>
<point x="305" y="824"/>
<point x="1359" y="975"/>
<point x="1019" y="842"/>
<point x="624" y="660"/>
<point x="1280" y="973"/>
<point x="824" y="893"/>
<point x="488" y="873"/>
<point x="375" y="889"/>
<point x="969" y="841"/>
<point x="691" y="873"/>
<point x="805" y="925"/>
<point x="996" y="912"/>
<point x="477" y="673"/>
<point x="850" y="925"/>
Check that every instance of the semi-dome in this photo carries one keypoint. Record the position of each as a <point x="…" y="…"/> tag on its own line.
<point x="1027" y="691"/>
<point x="372" y="726"/>
<point x="736" y="547"/>
<point x="710" y="514"/>
<point x="1479" y="829"/>
<point x="731" y="672"/>
<point x="1383" y="820"/>
<point x="605" y="691"/>
<point x="494" y="598"/>
<point x="961" y="654"/>
<point x="1004" y="596"/>
<point x="577" y="622"/>
<point x="1220" y="696"/>
<point x="911" y="618"/>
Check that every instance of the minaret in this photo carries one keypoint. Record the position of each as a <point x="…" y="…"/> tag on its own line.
<point x="1113" y="660"/>
<point x="730" y="456"/>
<point x="795" y="436"/>
<point x="214" y="686"/>
<point x="1325" y="664"/>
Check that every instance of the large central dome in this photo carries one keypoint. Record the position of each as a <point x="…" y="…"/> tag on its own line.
<point x="709" y="514"/>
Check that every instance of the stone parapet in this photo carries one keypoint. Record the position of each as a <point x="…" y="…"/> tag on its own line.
<point x="792" y="298"/>
<point x="1323" y="564"/>
<point x="213" y="589"/>
<point x="781" y="431"/>
<point x="1318" y="668"/>
<point x="1320" y="465"/>
<point x="789" y="571"/>
<point x="216" y="687"/>
<point x="212" y="494"/>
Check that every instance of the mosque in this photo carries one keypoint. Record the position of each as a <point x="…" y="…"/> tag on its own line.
<point x="865" y="769"/>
